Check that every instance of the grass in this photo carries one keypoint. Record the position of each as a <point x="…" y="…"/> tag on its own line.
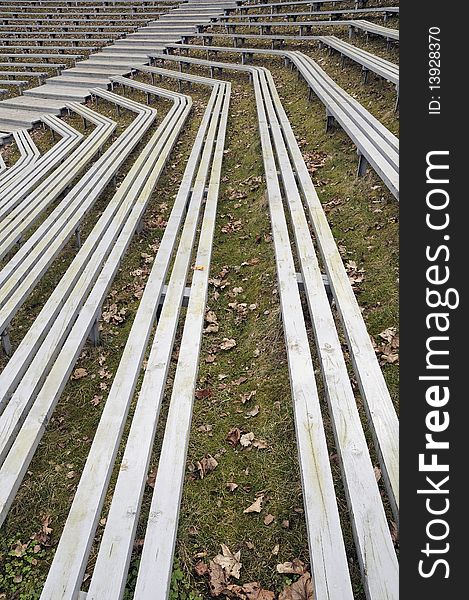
<point x="364" y="220"/>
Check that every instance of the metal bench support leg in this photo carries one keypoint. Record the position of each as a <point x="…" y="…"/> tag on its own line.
<point x="94" y="334"/>
<point x="362" y="165"/>
<point x="6" y="344"/>
<point x="329" y="121"/>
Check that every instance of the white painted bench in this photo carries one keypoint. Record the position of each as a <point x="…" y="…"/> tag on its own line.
<point x="14" y="192"/>
<point x="41" y="365"/>
<point x="29" y="153"/>
<point x="20" y="219"/>
<point x="25" y="269"/>
<point x="200" y="182"/>
<point x="289" y="183"/>
<point x="385" y="12"/>
<point x="376" y="145"/>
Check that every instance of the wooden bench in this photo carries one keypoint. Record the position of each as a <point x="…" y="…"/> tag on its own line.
<point x="306" y="26"/>
<point x="16" y="82"/>
<point x="385" y="12"/>
<point x="316" y="5"/>
<point x="239" y="38"/>
<point x="376" y="145"/>
<point x="61" y="49"/>
<point x="39" y="74"/>
<point x="31" y="65"/>
<point x="46" y="57"/>
<point x="41" y="365"/>
<point x="25" y="269"/>
<point x="29" y="153"/>
<point x="370" y="62"/>
<point x="21" y="218"/>
<point x="14" y="192"/>
<point x="44" y="42"/>
<point x="200" y="184"/>
<point x="289" y="185"/>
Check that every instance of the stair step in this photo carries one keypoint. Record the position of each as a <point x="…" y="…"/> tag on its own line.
<point x="86" y="82"/>
<point x="35" y="104"/>
<point x="67" y="93"/>
<point x="12" y="117"/>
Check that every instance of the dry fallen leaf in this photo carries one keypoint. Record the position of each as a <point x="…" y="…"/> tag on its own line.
<point x="232" y="487"/>
<point x="247" y="396"/>
<point x="246" y="439"/>
<point x="201" y="568"/>
<point x="269" y="519"/>
<point x="300" y="590"/>
<point x="217" y="579"/>
<point x="249" y="591"/>
<point x="207" y="393"/>
<point x="227" y="344"/>
<point x="254" y="412"/>
<point x="205" y="465"/>
<point x="229" y="562"/>
<point x="233" y="437"/>
<point x="211" y="317"/>
<point x="255" y="507"/>
<point x="79" y="373"/>
<point x="296" y="567"/>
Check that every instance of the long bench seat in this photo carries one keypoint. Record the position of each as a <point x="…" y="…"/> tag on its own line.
<point x="289" y="185"/>
<point x="376" y="145"/>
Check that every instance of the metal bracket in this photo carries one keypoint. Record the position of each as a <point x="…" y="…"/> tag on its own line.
<point x="325" y="280"/>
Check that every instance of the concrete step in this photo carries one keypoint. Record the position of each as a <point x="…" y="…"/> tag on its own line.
<point x="138" y="51"/>
<point x="120" y="65"/>
<point x="85" y="82"/>
<point x="120" y="56"/>
<point x="12" y="117"/>
<point x="98" y="71"/>
<point x="58" y="92"/>
<point x="35" y="104"/>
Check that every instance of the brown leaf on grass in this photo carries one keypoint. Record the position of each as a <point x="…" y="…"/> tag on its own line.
<point x="247" y="396"/>
<point x="300" y="590"/>
<point x="205" y="465"/>
<point x="260" y="444"/>
<point x="249" y="591"/>
<point x="212" y="328"/>
<point x="217" y="579"/>
<point x="297" y="567"/>
<point x="239" y="381"/>
<point x="79" y="373"/>
<point x="229" y="562"/>
<point x="233" y="437"/>
<point x="151" y="478"/>
<point x="207" y="393"/>
<point x="211" y="317"/>
<point x="18" y="549"/>
<point x="96" y="400"/>
<point x="227" y="344"/>
<point x="201" y="568"/>
<point x="45" y="522"/>
<point x="269" y="519"/>
<point x="388" y="350"/>
<point x="246" y="439"/>
<point x="231" y="487"/>
<point x="255" y="507"/>
<point x="254" y="412"/>
<point x="355" y="275"/>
